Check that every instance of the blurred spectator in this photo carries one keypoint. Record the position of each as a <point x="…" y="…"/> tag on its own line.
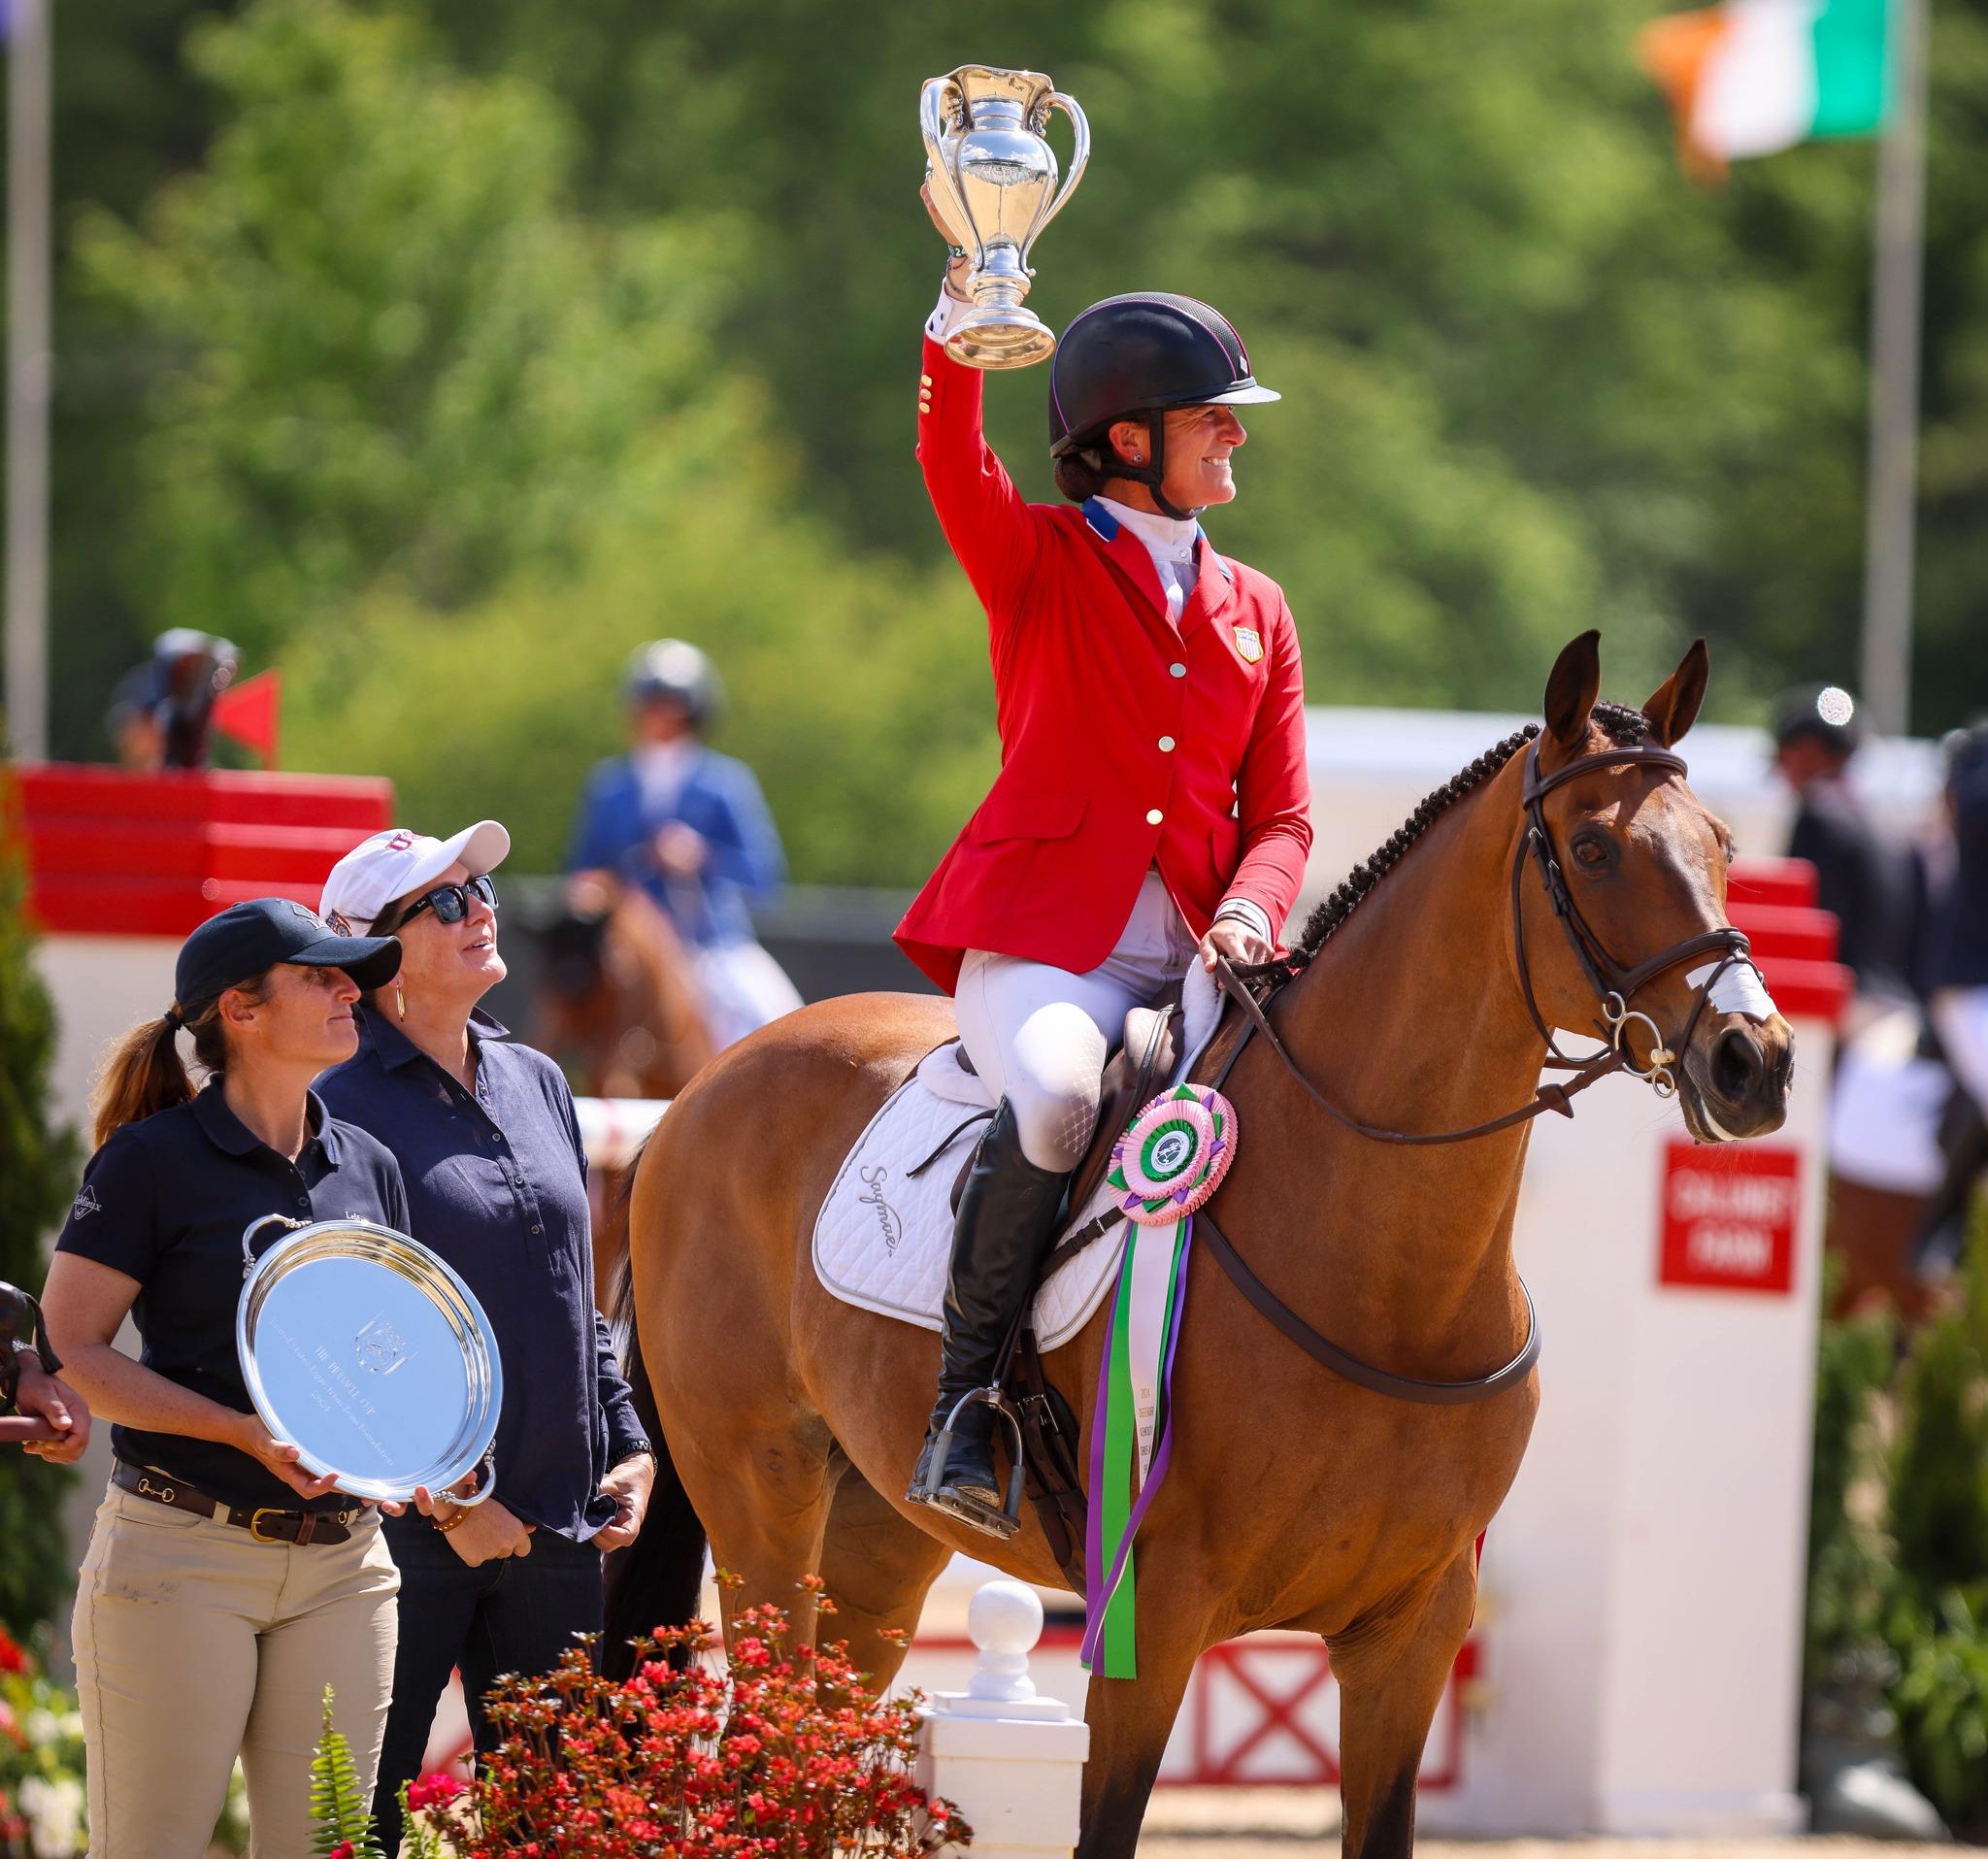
<point x="161" y="710"/>
<point x="1957" y="977"/>
<point x="1873" y="887"/>
<point x="691" y="828"/>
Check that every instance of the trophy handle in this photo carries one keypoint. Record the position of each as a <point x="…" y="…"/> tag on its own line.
<point x="249" y="1232"/>
<point x="932" y="121"/>
<point x="1078" y="155"/>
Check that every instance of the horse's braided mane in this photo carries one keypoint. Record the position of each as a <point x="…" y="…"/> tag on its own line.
<point x="1622" y="726"/>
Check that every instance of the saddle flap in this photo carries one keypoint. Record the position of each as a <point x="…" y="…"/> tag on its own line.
<point x="1135" y="1074"/>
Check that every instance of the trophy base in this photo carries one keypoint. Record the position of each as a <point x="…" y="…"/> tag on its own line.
<point x="1004" y="337"/>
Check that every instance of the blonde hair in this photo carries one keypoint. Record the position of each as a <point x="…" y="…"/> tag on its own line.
<point x="144" y="1074"/>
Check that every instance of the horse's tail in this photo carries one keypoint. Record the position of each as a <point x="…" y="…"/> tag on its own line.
<point x="657" y="1580"/>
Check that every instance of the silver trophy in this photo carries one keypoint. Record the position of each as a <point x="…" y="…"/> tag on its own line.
<point x="365" y="1350"/>
<point x="993" y="178"/>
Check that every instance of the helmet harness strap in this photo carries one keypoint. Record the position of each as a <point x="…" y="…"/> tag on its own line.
<point x="1152" y="475"/>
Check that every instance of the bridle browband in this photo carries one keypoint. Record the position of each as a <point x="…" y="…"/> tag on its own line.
<point x="1615" y="989"/>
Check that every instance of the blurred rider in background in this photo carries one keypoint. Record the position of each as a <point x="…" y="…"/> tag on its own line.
<point x="1870" y="884"/>
<point x="160" y="713"/>
<point x="691" y="828"/>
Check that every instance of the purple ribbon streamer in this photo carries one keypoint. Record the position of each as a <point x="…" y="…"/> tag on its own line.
<point x="1097" y="1596"/>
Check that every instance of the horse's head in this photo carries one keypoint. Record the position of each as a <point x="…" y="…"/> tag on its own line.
<point x="1640" y="864"/>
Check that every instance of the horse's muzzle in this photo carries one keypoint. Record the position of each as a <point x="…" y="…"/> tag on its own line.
<point x="1737" y="1076"/>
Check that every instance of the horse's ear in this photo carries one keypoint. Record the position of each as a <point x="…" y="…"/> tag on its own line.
<point x="1675" y="707"/>
<point x="1572" y="689"/>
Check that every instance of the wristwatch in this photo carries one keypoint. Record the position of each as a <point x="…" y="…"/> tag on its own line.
<point x="634" y="1449"/>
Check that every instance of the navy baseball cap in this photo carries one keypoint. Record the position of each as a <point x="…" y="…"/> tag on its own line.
<point x="246" y="939"/>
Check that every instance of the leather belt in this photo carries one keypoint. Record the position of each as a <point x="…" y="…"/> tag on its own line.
<point x="264" y="1522"/>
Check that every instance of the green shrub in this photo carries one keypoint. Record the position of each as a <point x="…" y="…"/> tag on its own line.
<point x="1936" y="1622"/>
<point x="1849" y="1565"/>
<point x="38" y="1167"/>
<point x="1941" y="1701"/>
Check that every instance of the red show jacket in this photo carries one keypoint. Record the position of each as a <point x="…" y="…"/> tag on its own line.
<point x="1124" y="744"/>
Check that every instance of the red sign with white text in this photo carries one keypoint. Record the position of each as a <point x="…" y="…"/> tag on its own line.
<point x="1729" y="1217"/>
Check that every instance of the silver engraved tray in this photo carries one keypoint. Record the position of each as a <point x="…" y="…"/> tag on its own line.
<point x="366" y="1351"/>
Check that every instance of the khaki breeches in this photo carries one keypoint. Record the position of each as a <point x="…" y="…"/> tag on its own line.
<point x="195" y="1643"/>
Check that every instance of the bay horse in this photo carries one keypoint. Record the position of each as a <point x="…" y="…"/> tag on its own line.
<point x="1297" y="1499"/>
<point x="618" y="999"/>
<point x="618" y="1004"/>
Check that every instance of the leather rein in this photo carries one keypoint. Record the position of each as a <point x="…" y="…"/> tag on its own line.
<point x="1615" y="989"/>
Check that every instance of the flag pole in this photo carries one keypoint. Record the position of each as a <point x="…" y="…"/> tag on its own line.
<point x="29" y="367"/>
<point x="1897" y="262"/>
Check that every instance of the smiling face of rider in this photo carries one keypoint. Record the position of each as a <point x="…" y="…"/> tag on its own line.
<point x="1200" y="440"/>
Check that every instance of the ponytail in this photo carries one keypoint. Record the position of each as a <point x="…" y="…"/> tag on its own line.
<point x="144" y="1074"/>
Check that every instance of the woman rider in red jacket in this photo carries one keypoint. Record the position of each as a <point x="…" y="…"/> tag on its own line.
<point x="1152" y="802"/>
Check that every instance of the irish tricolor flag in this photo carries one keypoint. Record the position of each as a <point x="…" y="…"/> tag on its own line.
<point x="1757" y="75"/>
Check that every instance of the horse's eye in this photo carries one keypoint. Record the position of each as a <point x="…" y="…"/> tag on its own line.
<point x="1590" y="851"/>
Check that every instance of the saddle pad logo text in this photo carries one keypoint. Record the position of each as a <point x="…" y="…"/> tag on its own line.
<point x="887" y="1222"/>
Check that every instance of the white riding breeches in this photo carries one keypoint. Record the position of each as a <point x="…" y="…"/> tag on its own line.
<point x="743" y="988"/>
<point x="1959" y="1017"/>
<point x="1039" y="1035"/>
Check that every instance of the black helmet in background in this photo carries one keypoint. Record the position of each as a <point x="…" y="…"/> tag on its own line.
<point x="676" y="670"/>
<point x="1143" y="353"/>
<point x="1824" y="713"/>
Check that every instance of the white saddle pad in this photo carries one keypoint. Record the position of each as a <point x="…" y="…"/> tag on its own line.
<point x="884" y="1236"/>
<point x="1886" y="1107"/>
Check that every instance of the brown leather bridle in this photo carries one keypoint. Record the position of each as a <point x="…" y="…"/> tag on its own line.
<point x="1615" y="986"/>
<point x="1616" y="989"/>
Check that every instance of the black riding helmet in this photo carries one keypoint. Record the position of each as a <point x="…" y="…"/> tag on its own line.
<point x="1824" y="713"/>
<point x="1142" y="353"/>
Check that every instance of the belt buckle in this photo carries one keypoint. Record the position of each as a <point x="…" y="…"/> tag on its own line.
<point x="261" y="1511"/>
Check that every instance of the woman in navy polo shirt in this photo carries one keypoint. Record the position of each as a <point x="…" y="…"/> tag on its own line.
<point x="224" y="1588"/>
<point x="489" y="1146"/>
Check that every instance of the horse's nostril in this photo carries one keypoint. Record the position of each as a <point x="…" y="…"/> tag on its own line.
<point x="1737" y="1065"/>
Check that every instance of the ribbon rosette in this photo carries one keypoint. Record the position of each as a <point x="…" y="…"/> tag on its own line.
<point x="1164" y="1167"/>
<point x="1175" y="1154"/>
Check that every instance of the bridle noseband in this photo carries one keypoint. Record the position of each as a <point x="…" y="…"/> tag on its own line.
<point x="1615" y="986"/>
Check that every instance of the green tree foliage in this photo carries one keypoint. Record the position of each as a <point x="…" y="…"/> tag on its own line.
<point x="38" y="1173"/>
<point x="398" y="358"/>
<point x="473" y="312"/>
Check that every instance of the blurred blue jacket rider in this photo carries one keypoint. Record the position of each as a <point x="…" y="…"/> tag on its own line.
<point x="670" y="777"/>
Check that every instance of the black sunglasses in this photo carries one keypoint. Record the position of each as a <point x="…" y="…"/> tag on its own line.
<point x="451" y="903"/>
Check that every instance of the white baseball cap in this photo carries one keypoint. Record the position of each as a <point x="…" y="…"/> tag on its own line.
<point x="396" y="863"/>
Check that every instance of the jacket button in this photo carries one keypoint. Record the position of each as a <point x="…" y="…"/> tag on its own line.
<point x="1165" y="744"/>
<point x="1177" y="670"/>
<point x="1154" y="817"/>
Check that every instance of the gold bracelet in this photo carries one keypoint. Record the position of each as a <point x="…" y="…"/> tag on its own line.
<point x="454" y="1520"/>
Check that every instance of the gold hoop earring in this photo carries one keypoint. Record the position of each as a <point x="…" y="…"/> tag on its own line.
<point x="400" y="999"/>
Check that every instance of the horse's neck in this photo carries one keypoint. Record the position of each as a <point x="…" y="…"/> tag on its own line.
<point x="1412" y="1020"/>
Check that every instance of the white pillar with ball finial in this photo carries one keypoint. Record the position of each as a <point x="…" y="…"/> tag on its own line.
<point x="1010" y="1761"/>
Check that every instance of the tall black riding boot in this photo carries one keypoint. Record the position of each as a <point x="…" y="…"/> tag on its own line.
<point x="1007" y="1222"/>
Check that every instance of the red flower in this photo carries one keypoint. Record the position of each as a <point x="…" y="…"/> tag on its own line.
<point x="434" y="1789"/>
<point x="12" y="1657"/>
<point x="343" y="1850"/>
